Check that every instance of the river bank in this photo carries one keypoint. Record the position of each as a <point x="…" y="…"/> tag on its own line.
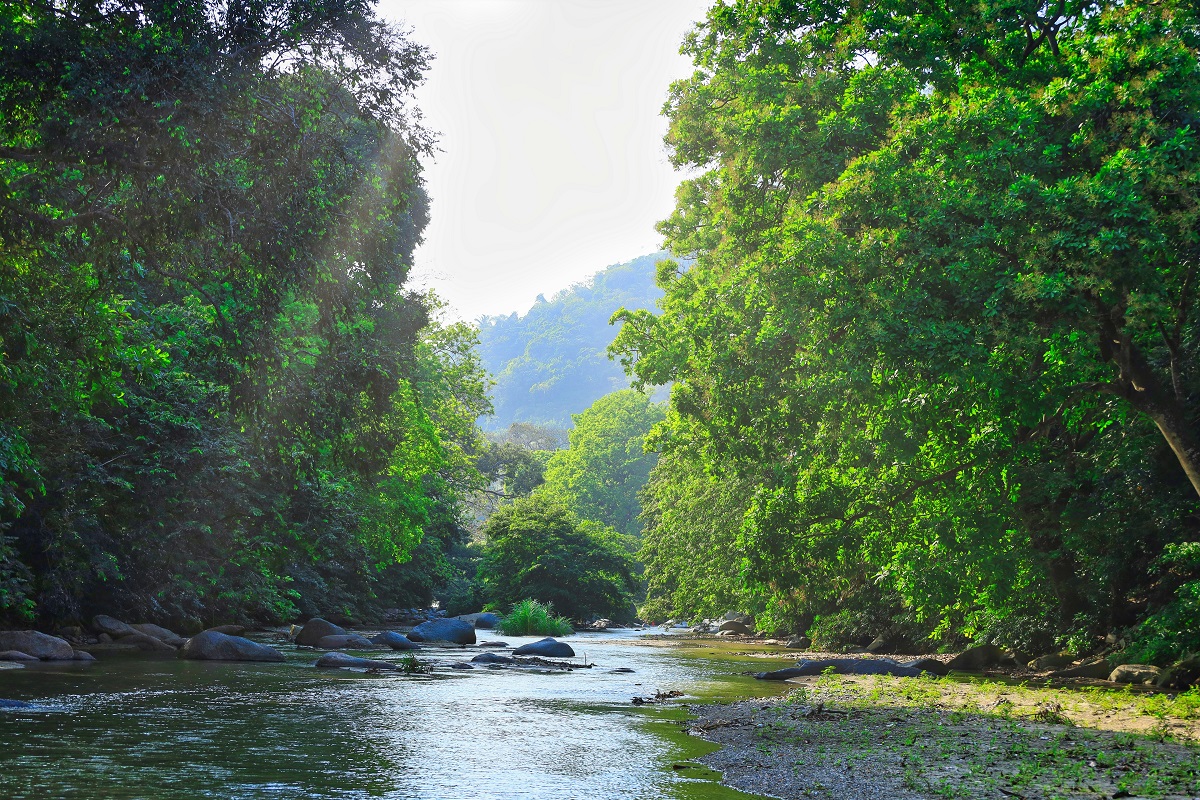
<point x="849" y="737"/>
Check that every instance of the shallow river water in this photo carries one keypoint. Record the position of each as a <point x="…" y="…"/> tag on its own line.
<point x="137" y="726"/>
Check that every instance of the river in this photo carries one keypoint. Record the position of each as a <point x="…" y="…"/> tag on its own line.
<point x="136" y="726"/>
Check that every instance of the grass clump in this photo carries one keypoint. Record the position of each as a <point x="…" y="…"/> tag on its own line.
<point x="534" y="618"/>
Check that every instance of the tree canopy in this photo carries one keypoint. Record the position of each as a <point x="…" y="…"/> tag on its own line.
<point x="606" y="465"/>
<point x="216" y="397"/>
<point x="941" y="322"/>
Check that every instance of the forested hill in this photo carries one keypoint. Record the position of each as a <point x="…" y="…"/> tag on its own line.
<point x="553" y="361"/>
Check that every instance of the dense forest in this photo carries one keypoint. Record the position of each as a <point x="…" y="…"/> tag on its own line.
<point x="217" y="400"/>
<point x="936" y="365"/>
<point x="553" y="361"/>
<point x="929" y="330"/>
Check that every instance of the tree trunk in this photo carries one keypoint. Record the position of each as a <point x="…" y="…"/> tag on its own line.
<point x="1182" y="443"/>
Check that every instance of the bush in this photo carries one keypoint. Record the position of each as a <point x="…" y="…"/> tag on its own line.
<point x="538" y="549"/>
<point x="531" y="618"/>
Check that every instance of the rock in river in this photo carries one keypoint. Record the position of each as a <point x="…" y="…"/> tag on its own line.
<point x="14" y="704"/>
<point x="144" y="641"/>
<point x="102" y="623"/>
<point x="331" y="660"/>
<point x="214" y="646"/>
<point x="493" y="658"/>
<point x="548" y="647"/>
<point x="736" y="627"/>
<point x="339" y="641"/>
<point x="160" y="633"/>
<point x="396" y="641"/>
<point x="446" y="630"/>
<point x="16" y="655"/>
<point x="841" y="666"/>
<point x="317" y="629"/>
<point x="39" y="645"/>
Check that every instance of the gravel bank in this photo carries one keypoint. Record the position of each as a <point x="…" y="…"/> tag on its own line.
<point x="848" y="739"/>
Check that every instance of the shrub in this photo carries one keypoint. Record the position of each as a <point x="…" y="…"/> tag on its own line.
<point x="533" y="618"/>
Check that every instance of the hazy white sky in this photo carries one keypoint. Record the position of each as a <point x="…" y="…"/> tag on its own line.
<point x="553" y="165"/>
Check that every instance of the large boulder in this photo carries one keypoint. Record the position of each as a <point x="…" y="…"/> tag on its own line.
<point x="1094" y="668"/>
<point x="340" y="641"/>
<point x="1052" y="661"/>
<point x="215" y="646"/>
<point x="84" y="655"/>
<point x="160" y="633"/>
<point x="42" y="646"/>
<point x="493" y="658"/>
<point x="229" y="630"/>
<point x="16" y="655"/>
<point x="928" y="665"/>
<point x="396" y="641"/>
<point x="446" y="630"/>
<point x="487" y="620"/>
<point x="842" y="666"/>
<point x="977" y="659"/>
<point x="548" y="647"/>
<point x="1135" y="673"/>
<point x="102" y="623"/>
<point x="143" y="641"/>
<point x="317" y="629"/>
<point x="734" y="627"/>
<point x="336" y="660"/>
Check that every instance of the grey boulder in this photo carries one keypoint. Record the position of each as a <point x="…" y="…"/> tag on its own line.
<point x="339" y="640"/>
<point x="332" y="660"/>
<point x="548" y="647"/>
<point x="446" y="630"/>
<point x="493" y="658"/>
<point x="317" y="629"/>
<point x="977" y="659"/>
<point x="216" y="646"/>
<point x="733" y="626"/>
<point x="144" y="641"/>
<point x="841" y="666"/>
<point x="1135" y="673"/>
<point x="16" y="655"/>
<point x="229" y="630"/>
<point x="160" y="633"/>
<point x="1094" y="668"/>
<point x="487" y="620"/>
<point x="102" y="623"/>
<point x="396" y="641"/>
<point x="39" y="645"/>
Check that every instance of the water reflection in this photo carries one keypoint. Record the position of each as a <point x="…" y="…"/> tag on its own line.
<point x="132" y="727"/>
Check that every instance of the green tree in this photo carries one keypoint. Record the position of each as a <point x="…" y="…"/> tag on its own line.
<point x="600" y="474"/>
<point x="942" y="311"/>
<point x="536" y="548"/>
<point x="216" y="398"/>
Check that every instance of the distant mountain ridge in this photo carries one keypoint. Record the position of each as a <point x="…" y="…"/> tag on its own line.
<point x="552" y="362"/>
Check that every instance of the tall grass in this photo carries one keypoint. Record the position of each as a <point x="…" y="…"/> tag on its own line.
<point x="534" y="618"/>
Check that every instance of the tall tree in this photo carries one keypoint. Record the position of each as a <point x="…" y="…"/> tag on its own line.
<point x="943" y="301"/>
<point x="214" y="397"/>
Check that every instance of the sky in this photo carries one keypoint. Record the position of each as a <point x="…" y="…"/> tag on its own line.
<point x="552" y="165"/>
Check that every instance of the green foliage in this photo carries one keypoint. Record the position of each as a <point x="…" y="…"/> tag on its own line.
<point x="1171" y="632"/>
<point x="532" y="618"/>
<point x="536" y="548"/>
<point x="600" y="474"/>
<point x="216" y="398"/>
<point x="941" y="327"/>
<point x="552" y="362"/>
